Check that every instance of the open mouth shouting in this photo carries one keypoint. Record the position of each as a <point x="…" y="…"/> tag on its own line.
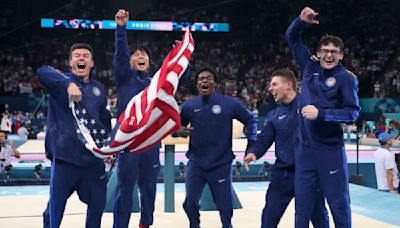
<point x="204" y="87"/>
<point x="81" y="67"/>
<point x="206" y="84"/>
<point x="329" y="62"/>
<point x="274" y="95"/>
<point x="140" y="65"/>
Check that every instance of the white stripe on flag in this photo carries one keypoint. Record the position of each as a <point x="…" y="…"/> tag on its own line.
<point x="157" y="135"/>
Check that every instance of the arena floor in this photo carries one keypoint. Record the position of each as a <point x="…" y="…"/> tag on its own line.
<point x="21" y="207"/>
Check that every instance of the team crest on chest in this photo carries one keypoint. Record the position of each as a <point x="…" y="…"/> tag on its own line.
<point x="331" y="81"/>
<point x="96" y="91"/>
<point x="216" y="109"/>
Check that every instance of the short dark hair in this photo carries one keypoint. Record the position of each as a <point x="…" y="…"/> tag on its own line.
<point x="327" y="39"/>
<point x="5" y="132"/>
<point x="382" y="143"/>
<point x="80" y="46"/>
<point x="209" y="70"/>
<point x="140" y="47"/>
<point x="288" y="75"/>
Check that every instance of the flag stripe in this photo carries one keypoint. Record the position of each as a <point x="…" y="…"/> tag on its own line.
<point x="150" y="115"/>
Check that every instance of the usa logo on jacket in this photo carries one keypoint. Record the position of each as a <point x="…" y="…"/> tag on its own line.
<point x="216" y="109"/>
<point x="331" y="81"/>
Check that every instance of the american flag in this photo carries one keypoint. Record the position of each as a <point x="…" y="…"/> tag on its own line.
<point x="92" y="126"/>
<point x="150" y="116"/>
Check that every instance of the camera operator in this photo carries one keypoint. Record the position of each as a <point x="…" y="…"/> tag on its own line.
<point x="7" y="150"/>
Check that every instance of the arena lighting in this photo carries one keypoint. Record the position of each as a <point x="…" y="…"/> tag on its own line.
<point x="135" y="25"/>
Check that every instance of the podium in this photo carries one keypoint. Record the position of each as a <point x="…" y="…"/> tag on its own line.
<point x="112" y="190"/>
<point x="207" y="202"/>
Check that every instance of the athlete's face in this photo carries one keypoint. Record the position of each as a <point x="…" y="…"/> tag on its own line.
<point x="2" y="138"/>
<point x="140" y="61"/>
<point x="206" y="83"/>
<point x="81" y="62"/>
<point x="329" y="56"/>
<point x="279" y="88"/>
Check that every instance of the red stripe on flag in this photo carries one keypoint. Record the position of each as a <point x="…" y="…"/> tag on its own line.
<point x="149" y="131"/>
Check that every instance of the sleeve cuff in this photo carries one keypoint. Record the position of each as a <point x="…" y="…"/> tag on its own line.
<point x="249" y="146"/>
<point x="120" y="30"/>
<point x="67" y="82"/>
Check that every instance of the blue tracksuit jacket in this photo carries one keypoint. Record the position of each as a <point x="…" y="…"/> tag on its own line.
<point x="211" y="140"/>
<point x="62" y="142"/>
<point x="210" y="151"/>
<point x="280" y="127"/>
<point x="73" y="168"/>
<point x="333" y="92"/>
<point x="142" y="168"/>
<point x="321" y="158"/>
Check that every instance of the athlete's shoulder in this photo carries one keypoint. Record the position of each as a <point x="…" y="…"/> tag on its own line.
<point x="351" y="75"/>
<point x="273" y="113"/>
<point x="346" y="76"/>
<point x="98" y="84"/>
<point x="230" y="99"/>
<point x="190" y="101"/>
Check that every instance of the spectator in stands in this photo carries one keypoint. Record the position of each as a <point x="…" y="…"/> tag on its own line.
<point x="15" y="124"/>
<point x="22" y="132"/>
<point x="40" y="115"/>
<point x="281" y="129"/>
<point x="364" y="128"/>
<point x="387" y="174"/>
<point x="380" y="125"/>
<point x="7" y="150"/>
<point x="377" y="89"/>
<point x="394" y="127"/>
<point x="346" y="129"/>
<point x="5" y="123"/>
<point x="41" y="135"/>
<point x="210" y="153"/>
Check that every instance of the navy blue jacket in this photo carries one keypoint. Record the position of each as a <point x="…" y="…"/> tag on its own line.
<point x="211" y="139"/>
<point x="333" y="92"/>
<point x="130" y="82"/>
<point x="281" y="127"/>
<point x="62" y="142"/>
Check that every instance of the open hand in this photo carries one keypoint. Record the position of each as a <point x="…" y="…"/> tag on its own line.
<point x="250" y="157"/>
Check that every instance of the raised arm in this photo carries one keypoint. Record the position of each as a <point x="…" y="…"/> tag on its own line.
<point x="121" y="60"/>
<point x="293" y="37"/>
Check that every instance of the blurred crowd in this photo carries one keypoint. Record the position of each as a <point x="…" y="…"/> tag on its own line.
<point x="243" y="58"/>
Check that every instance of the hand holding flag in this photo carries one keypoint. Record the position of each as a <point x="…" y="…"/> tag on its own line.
<point x="150" y="115"/>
